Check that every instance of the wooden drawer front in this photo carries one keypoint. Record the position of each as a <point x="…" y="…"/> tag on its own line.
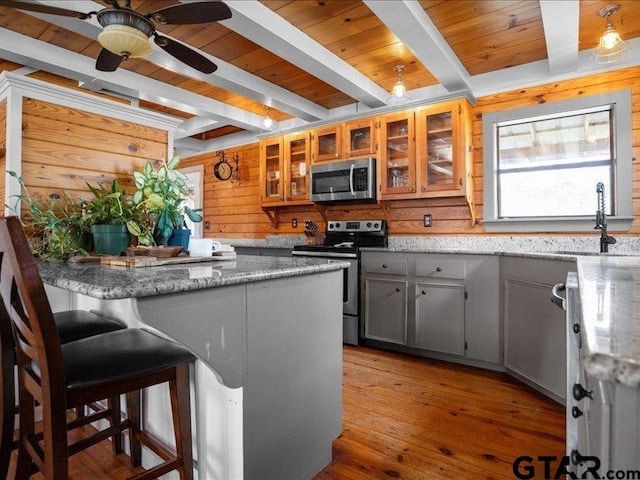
<point x="441" y="268"/>
<point x="388" y="266"/>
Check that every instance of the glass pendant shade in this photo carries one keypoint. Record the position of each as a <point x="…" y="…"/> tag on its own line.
<point x="611" y="46"/>
<point x="125" y="41"/>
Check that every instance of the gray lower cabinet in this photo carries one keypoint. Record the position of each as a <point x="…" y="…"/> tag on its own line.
<point x="387" y="312"/>
<point x="439" y="305"/>
<point x="534" y="328"/>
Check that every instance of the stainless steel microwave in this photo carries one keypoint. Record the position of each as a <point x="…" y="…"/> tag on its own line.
<point x="341" y="181"/>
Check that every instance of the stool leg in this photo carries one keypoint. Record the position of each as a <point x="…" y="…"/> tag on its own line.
<point x="133" y="413"/>
<point x="116" y="440"/>
<point x="27" y="427"/>
<point x="181" y="409"/>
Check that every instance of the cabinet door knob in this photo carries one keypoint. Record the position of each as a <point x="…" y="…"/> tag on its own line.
<point x="576" y="328"/>
<point x="438" y="269"/>
<point x="576" y="412"/>
<point x="411" y="189"/>
<point x="397" y="289"/>
<point x="384" y="265"/>
<point x="423" y="188"/>
<point x="423" y="292"/>
<point x="579" y="392"/>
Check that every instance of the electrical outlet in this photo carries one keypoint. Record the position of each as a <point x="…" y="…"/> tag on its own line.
<point x="428" y="220"/>
<point x="294" y="223"/>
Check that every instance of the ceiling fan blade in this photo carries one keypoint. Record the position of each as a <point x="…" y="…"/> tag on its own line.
<point x="36" y="7"/>
<point x="186" y="13"/>
<point x="185" y="54"/>
<point x="108" y="61"/>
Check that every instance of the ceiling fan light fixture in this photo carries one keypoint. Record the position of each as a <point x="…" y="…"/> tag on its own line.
<point x="125" y="41"/>
<point x="399" y="91"/>
<point x="125" y="32"/>
<point x="611" y="46"/>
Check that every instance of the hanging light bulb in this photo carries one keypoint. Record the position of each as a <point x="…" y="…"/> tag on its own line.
<point x="268" y="123"/>
<point x="399" y="91"/>
<point x="611" y="46"/>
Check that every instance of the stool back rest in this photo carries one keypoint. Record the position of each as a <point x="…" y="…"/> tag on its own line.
<point x="37" y="343"/>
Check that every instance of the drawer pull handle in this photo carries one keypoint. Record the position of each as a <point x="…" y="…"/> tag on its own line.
<point x="579" y="392"/>
<point x="576" y="412"/>
<point x="397" y="289"/>
<point x="384" y="265"/>
<point x="438" y="269"/>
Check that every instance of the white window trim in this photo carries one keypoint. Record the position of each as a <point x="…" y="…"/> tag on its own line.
<point x="622" y="119"/>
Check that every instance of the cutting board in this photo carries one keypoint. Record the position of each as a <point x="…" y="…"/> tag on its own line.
<point x="145" y="261"/>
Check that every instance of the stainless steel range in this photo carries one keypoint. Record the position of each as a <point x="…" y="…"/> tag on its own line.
<point x="343" y="240"/>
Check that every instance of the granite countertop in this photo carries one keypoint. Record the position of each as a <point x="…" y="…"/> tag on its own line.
<point x="106" y="282"/>
<point x="609" y="297"/>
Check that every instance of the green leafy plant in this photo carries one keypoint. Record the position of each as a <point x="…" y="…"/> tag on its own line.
<point x="161" y="194"/>
<point x="55" y="225"/>
<point x="110" y="206"/>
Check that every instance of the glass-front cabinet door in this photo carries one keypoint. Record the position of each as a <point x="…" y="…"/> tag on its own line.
<point x="271" y="171"/>
<point x="397" y="152"/>
<point x="327" y="143"/>
<point x="360" y="138"/>
<point x="439" y="157"/>
<point x="297" y="154"/>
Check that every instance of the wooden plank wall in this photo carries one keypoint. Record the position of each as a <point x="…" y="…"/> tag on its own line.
<point x="63" y="148"/>
<point x="233" y="210"/>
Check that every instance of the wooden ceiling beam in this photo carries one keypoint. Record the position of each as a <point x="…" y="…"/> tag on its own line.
<point x="261" y="25"/>
<point x="408" y="20"/>
<point x="227" y="76"/>
<point x="560" y="20"/>
<point x="37" y="54"/>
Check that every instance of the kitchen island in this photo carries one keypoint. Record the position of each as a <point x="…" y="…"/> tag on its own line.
<point x="268" y="335"/>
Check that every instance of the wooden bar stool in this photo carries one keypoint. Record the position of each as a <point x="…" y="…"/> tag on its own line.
<point x="60" y="377"/>
<point x="71" y="325"/>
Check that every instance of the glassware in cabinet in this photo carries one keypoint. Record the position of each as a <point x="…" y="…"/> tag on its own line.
<point x="271" y="171"/>
<point x="297" y="154"/>
<point x="397" y="153"/>
<point x="360" y="138"/>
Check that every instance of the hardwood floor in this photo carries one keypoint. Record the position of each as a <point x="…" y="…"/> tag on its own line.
<point x="416" y="419"/>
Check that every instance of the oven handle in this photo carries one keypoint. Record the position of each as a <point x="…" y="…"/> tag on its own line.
<point x="300" y="253"/>
<point x="351" y="179"/>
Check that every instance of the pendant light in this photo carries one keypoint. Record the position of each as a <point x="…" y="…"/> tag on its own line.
<point x="611" y="46"/>
<point x="268" y="123"/>
<point x="399" y="91"/>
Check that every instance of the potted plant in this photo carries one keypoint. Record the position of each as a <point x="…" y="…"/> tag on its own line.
<point x="113" y="218"/>
<point x="55" y="225"/>
<point x="161" y="194"/>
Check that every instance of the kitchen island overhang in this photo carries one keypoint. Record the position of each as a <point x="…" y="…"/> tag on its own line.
<point x="268" y="335"/>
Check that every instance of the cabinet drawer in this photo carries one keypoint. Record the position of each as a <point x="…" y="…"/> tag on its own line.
<point x="388" y="266"/>
<point x="441" y="268"/>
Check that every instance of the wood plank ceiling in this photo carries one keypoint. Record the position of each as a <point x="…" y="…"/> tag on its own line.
<point x="472" y="38"/>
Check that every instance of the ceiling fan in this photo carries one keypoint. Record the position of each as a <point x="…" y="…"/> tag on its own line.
<point x="126" y="33"/>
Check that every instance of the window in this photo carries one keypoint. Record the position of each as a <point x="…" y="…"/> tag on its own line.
<point x="542" y="164"/>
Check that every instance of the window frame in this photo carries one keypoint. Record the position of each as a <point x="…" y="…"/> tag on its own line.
<point x="620" y="101"/>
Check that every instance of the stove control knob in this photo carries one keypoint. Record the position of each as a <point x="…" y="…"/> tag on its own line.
<point x="330" y="225"/>
<point x="368" y="224"/>
<point x="337" y="225"/>
<point x="375" y="225"/>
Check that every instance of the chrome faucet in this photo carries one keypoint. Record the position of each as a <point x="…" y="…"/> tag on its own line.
<point x="601" y="221"/>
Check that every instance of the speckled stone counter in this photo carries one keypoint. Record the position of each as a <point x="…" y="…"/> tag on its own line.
<point x="610" y="296"/>
<point x="117" y="282"/>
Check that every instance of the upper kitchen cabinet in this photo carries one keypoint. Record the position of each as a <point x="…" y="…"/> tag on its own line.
<point x="271" y="171"/>
<point x="442" y="149"/>
<point x="327" y="143"/>
<point x="397" y="156"/>
<point x="360" y="138"/>
<point x="346" y="140"/>
<point x="296" y="168"/>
